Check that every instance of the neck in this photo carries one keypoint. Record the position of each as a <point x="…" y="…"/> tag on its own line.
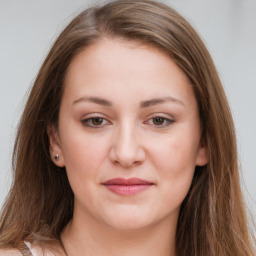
<point x="89" y="238"/>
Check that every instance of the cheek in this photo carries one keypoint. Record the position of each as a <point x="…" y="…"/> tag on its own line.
<point x="175" y="156"/>
<point x="178" y="168"/>
<point x="83" y="154"/>
<point x="175" y="162"/>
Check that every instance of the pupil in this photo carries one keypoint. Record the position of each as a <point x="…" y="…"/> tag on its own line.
<point x="158" y="120"/>
<point x="97" y="121"/>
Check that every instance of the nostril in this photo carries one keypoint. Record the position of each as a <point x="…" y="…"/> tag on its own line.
<point x="126" y="149"/>
<point x="127" y="158"/>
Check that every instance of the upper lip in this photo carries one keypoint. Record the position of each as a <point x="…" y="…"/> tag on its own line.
<point x="127" y="182"/>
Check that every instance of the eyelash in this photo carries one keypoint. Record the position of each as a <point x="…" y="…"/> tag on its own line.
<point x="88" y="122"/>
<point x="167" y="121"/>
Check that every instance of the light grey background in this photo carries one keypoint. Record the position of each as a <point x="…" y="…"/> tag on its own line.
<point x="228" y="27"/>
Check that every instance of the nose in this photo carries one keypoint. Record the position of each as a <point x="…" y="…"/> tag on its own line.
<point x="126" y="149"/>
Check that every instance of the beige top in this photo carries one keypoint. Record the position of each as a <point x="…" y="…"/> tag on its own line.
<point x="37" y="251"/>
<point x="33" y="251"/>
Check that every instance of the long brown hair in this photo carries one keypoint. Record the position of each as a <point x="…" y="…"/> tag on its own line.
<point x="212" y="218"/>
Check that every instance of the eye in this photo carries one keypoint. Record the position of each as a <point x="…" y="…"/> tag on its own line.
<point x="95" y="122"/>
<point x="160" y="121"/>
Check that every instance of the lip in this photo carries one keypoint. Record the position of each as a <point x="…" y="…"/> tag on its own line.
<point x="127" y="187"/>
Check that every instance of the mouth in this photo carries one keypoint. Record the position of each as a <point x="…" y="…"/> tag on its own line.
<point x="127" y="187"/>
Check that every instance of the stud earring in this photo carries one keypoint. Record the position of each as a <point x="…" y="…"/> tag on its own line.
<point x="56" y="157"/>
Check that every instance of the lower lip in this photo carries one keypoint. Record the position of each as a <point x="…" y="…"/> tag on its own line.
<point x="128" y="190"/>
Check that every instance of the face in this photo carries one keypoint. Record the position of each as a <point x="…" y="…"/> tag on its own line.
<point x="128" y="135"/>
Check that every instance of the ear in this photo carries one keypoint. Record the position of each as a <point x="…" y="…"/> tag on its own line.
<point x="55" y="146"/>
<point x="202" y="157"/>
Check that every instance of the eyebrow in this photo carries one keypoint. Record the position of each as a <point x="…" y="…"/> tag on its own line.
<point x="96" y="100"/>
<point x="152" y="102"/>
<point x="143" y="104"/>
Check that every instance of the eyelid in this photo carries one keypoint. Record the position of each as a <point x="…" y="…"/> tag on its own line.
<point x="169" y="120"/>
<point x="90" y="117"/>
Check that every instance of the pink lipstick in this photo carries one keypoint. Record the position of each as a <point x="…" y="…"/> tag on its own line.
<point x="127" y="187"/>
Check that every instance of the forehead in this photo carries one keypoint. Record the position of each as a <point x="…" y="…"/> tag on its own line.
<point x="112" y="65"/>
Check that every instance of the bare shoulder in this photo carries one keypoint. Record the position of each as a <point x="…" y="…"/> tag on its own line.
<point x="10" y="252"/>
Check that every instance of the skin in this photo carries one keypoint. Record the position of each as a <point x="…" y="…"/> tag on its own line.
<point x="10" y="252"/>
<point x="127" y="141"/>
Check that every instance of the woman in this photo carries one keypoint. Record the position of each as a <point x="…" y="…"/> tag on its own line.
<point x="126" y="145"/>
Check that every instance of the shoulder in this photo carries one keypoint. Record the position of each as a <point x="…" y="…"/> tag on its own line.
<point x="10" y="252"/>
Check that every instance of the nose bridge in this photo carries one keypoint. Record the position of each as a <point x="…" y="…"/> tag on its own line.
<point x="126" y="149"/>
<point x="126" y="139"/>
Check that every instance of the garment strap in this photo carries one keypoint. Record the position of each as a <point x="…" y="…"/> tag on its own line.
<point x="25" y="251"/>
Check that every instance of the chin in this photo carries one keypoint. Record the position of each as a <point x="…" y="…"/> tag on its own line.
<point x="129" y="224"/>
<point x="138" y="219"/>
<point x="130" y="220"/>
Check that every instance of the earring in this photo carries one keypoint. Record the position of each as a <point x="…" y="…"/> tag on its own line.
<point x="56" y="157"/>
